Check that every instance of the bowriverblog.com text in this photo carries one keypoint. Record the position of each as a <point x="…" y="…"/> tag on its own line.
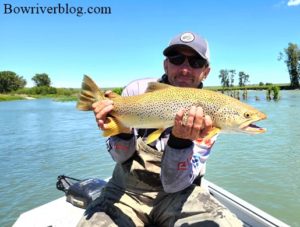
<point x="55" y="9"/>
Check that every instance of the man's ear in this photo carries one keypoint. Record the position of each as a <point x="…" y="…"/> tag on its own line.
<point x="166" y="66"/>
<point x="206" y="72"/>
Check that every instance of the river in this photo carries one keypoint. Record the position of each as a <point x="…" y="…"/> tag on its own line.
<point x="41" y="139"/>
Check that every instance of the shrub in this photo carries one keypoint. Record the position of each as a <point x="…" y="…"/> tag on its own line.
<point x="118" y="90"/>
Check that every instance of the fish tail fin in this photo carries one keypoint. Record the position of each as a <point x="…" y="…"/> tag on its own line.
<point x="89" y="94"/>
<point x="113" y="127"/>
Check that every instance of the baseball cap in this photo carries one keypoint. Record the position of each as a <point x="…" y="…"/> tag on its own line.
<point x="192" y="40"/>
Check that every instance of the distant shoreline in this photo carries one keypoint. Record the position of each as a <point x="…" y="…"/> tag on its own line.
<point x="72" y="96"/>
<point x="27" y="97"/>
<point x="15" y="97"/>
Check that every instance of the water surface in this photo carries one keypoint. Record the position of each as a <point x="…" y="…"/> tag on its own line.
<point x="41" y="139"/>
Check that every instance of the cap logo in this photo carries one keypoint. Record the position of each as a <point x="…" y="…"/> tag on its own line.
<point x="187" y="37"/>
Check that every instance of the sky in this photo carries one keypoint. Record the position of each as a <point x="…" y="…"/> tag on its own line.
<point x="127" y="43"/>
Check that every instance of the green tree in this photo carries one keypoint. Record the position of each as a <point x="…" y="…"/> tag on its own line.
<point x="41" y="80"/>
<point x="118" y="90"/>
<point x="291" y="57"/>
<point x="243" y="79"/>
<point x="232" y="75"/>
<point x="10" y="81"/>
<point x="224" y="78"/>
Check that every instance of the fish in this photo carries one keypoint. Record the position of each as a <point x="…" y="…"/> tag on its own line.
<point x="157" y="108"/>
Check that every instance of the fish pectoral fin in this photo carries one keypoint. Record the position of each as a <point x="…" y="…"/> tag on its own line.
<point x="207" y="139"/>
<point x="214" y="131"/>
<point x="154" y="135"/>
<point x="112" y="95"/>
<point x="113" y="127"/>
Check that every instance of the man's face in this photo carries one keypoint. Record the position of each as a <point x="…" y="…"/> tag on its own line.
<point x="184" y="75"/>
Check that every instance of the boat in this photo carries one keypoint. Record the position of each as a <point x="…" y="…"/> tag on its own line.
<point x="67" y="211"/>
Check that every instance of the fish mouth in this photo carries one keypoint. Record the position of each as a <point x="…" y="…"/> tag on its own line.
<point x="253" y="129"/>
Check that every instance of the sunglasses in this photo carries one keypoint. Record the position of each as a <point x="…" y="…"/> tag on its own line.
<point x="195" y="62"/>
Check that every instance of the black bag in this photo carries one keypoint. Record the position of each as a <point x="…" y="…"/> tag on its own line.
<point x="80" y="193"/>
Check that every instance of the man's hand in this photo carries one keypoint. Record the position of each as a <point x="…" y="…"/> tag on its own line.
<point x="101" y="109"/>
<point x="192" y="126"/>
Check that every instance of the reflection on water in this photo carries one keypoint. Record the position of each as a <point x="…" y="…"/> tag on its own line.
<point x="41" y="139"/>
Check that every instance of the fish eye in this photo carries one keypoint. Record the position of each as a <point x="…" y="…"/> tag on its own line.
<point x="246" y="115"/>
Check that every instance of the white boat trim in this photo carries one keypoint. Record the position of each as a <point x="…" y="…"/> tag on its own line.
<point x="57" y="213"/>
<point x="249" y="214"/>
<point x="60" y="213"/>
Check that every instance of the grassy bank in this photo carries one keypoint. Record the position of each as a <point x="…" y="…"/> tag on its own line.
<point x="11" y="97"/>
<point x="59" y="98"/>
<point x="56" y="94"/>
<point x="250" y="87"/>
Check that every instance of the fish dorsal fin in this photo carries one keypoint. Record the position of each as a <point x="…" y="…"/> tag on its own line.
<point x="155" y="86"/>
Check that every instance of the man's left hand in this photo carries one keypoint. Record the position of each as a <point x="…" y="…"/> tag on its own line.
<point x="192" y="125"/>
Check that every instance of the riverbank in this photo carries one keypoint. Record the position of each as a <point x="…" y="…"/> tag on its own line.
<point x="71" y="94"/>
<point x="59" y="98"/>
<point x="7" y="97"/>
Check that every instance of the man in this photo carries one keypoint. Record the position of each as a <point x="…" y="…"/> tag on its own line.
<point x="159" y="184"/>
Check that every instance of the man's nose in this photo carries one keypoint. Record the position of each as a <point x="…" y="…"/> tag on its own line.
<point x="185" y="67"/>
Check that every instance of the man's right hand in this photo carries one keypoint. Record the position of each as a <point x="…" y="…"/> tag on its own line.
<point x="101" y="109"/>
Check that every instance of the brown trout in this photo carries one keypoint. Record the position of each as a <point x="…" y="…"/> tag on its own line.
<point x="158" y="106"/>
